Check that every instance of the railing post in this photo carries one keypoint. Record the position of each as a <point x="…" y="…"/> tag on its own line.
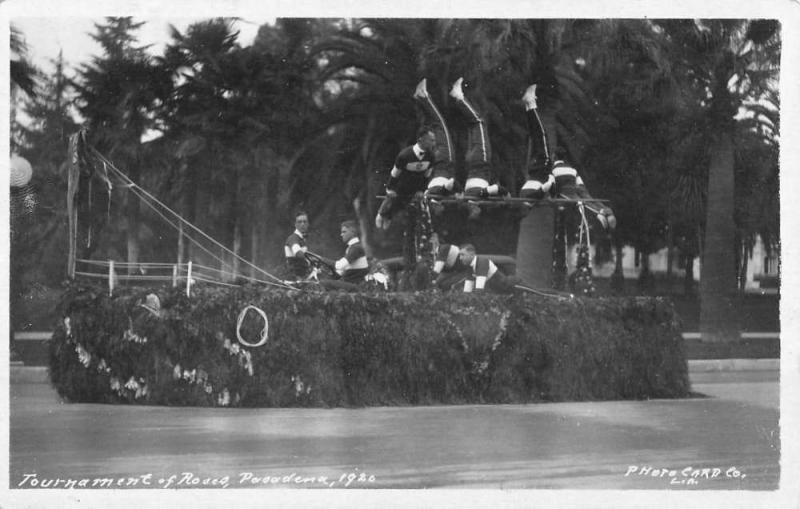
<point x="174" y="275"/>
<point x="189" y="279"/>
<point x="110" y="278"/>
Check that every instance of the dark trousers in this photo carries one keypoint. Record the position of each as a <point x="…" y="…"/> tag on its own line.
<point x="450" y="280"/>
<point x="500" y="283"/>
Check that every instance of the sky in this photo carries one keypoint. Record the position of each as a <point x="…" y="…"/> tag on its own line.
<point x="45" y="36"/>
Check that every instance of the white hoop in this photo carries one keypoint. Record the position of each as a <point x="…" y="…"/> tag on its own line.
<point x="264" y="331"/>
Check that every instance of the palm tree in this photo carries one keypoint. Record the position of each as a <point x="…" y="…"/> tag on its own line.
<point x="570" y="60"/>
<point x="369" y="70"/>
<point x="727" y="61"/>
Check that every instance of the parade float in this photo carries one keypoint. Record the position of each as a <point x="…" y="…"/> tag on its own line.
<point x="185" y="337"/>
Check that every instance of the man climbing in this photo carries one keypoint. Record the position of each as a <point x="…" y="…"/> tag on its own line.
<point x="442" y="182"/>
<point x="409" y="175"/>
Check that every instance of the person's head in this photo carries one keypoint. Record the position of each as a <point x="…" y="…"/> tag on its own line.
<point x="349" y="230"/>
<point x="301" y="222"/>
<point x="467" y="253"/>
<point x="426" y="139"/>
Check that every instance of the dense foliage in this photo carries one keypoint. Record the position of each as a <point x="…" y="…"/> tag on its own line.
<point x="312" y="113"/>
<point x="333" y="349"/>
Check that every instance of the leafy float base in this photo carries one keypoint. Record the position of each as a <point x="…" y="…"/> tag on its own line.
<point x="338" y="349"/>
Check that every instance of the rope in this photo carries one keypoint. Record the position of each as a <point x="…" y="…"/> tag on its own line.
<point x="584" y="225"/>
<point x="208" y="280"/>
<point x="554" y="294"/>
<point x="264" y="331"/>
<point x="105" y="263"/>
<point x="198" y="244"/>
<point x="184" y="221"/>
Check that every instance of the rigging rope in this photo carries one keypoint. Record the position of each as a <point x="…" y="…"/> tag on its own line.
<point x="138" y="189"/>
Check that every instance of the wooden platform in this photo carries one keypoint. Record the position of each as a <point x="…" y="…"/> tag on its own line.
<point x="507" y="202"/>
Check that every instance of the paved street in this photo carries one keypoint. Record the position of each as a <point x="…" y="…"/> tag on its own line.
<point x="663" y="444"/>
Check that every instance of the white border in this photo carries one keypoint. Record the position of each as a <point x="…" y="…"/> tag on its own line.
<point x="787" y="11"/>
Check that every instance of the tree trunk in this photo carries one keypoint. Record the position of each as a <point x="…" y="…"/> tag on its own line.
<point x="237" y="249"/>
<point x="188" y="206"/>
<point x="741" y="265"/>
<point x="181" y="246"/>
<point x="132" y="216"/>
<point x="688" y="278"/>
<point x="646" y="281"/>
<point x="670" y="242"/>
<point x="255" y="238"/>
<point x="618" y="277"/>
<point x="718" y="314"/>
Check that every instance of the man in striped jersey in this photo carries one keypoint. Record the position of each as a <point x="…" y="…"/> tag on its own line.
<point x="540" y="181"/>
<point x="442" y="181"/>
<point x="295" y="248"/>
<point x="568" y="184"/>
<point x="478" y="159"/>
<point x="447" y="265"/>
<point x="484" y="274"/>
<point x="353" y="266"/>
<point x="409" y="175"/>
<point x="563" y="180"/>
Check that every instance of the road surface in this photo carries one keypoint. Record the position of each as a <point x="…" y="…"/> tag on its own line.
<point x="726" y="441"/>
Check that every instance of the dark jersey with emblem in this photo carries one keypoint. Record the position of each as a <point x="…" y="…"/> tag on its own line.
<point x="410" y="173"/>
<point x="298" y="266"/>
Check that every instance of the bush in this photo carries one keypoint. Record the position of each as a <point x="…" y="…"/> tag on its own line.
<point x="339" y="349"/>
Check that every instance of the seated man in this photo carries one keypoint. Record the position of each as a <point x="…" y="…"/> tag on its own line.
<point x="353" y="267"/>
<point x="478" y="159"/>
<point x="412" y="168"/>
<point x="563" y="180"/>
<point x="484" y="274"/>
<point x="442" y="182"/>
<point x="447" y="266"/>
<point x="295" y="248"/>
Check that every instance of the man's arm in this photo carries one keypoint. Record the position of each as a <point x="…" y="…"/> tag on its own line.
<point x="394" y="175"/>
<point x="341" y="265"/>
<point x="440" y="259"/>
<point x="484" y="272"/>
<point x="298" y="251"/>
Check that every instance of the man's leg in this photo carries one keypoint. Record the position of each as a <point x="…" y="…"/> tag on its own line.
<point x="478" y="158"/>
<point x="387" y="209"/>
<point x="603" y="213"/>
<point x="449" y="280"/>
<point x="538" y="183"/>
<point x="500" y="283"/>
<point x="442" y="181"/>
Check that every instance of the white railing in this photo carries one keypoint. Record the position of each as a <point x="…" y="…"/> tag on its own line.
<point x="175" y="274"/>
